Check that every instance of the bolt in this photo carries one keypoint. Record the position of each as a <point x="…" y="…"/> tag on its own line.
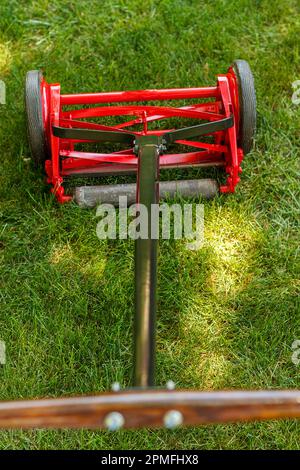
<point x="114" y="421"/>
<point x="170" y="385"/>
<point x="173" y="419"/>
<point x="116" y="387"/>
<point x="162" y="148"/>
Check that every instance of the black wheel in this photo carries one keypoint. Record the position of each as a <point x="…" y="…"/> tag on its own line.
<point x="34" y="112"/>
<point x="247" y="104"/>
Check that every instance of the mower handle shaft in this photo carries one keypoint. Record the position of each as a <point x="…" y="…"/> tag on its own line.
<point x="146" y="263"/>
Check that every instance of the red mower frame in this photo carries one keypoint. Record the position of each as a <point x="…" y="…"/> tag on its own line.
<point x="64" y="160"/>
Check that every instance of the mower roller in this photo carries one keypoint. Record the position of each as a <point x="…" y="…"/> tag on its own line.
<point x="59" y="126"/>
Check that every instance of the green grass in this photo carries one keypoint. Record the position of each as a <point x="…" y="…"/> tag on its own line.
<point x="227" y="314"/>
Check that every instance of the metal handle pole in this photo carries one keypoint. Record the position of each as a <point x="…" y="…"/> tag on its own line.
<point x="146" y="265"/>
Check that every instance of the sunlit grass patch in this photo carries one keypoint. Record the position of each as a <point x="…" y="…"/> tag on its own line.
<point x="232" y="237"/>
<point x="5" y="58"/>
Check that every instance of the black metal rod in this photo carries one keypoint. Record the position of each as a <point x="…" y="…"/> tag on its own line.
<point x="146" y="266"/>
<point x="200" y="129"/>
<point x="93" y="134"/>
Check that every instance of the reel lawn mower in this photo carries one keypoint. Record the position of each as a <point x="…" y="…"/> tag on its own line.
<point x="59" y="126"/>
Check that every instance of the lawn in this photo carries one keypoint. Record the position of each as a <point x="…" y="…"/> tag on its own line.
<point x="228" y="313"/>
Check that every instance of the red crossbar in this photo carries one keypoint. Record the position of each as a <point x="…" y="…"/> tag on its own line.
<point x="140" y="95"/>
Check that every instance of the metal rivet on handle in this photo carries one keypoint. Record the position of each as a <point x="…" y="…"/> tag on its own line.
<point x="116" y="387"/>
<point x="114" y="421"/>
<point x="170" y="385"/>
<point x="173" y="419"/>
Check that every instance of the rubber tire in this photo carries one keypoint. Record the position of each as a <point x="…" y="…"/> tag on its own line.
<point x="34" y="112"/>
<point x="247" y="104"/>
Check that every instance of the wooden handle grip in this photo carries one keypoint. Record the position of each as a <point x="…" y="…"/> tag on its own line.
<point x="149" y="408"/>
